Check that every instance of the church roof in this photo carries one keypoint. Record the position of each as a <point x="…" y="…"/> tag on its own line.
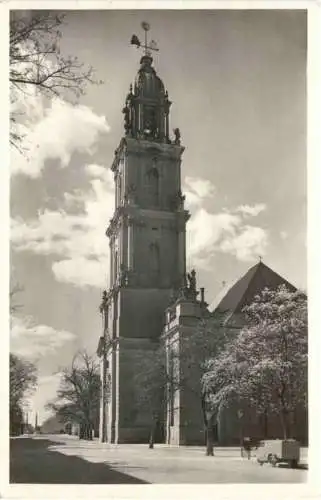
<point x="243" y="291"/>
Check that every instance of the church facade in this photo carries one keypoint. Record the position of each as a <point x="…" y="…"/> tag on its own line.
<point x="150" y="299"/>
<point x="147" y="248"/>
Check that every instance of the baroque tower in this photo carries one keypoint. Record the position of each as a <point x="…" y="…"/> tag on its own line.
<point x="147" y="248"/>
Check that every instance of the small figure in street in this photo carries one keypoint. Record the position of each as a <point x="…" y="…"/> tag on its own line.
<point x="247" y="447"/>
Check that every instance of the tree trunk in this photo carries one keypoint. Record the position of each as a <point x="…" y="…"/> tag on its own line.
<point x="152" y="434"/>
<point x="284" y="423"/>
<point x="152" y="437"/>
<point x="90" y="432"/>
<point x="265" y="424"/>
<point x="241" y="436"/>
<point x="208" y="422"/>
<point x="292" y="429"/>
<point x="209" y="439"/>
<point x="85" y="432"/>
<point x="284" y="413"/>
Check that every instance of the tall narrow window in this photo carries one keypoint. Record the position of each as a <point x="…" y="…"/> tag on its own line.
<point x="152" y="182"/>
<point x="154" y="262"/>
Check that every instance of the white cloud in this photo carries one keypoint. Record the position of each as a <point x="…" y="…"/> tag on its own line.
<point x="46" y="391"/>
<point x="79" y="238"/>
<point x="100" y="172"/>
<point x="33" y="341"/>
<point x="251" y="210"/>
<point x="82" y="272"/>
<point x="197" y="190"/>
<point x="55" y="132"/>
<point x="250" y="243"/>
<point x="80" y="242"/>
<point x="205" y="230"/>
<point x="224" y="232"/>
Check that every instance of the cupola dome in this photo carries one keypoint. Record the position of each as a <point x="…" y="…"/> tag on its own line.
<point x="147" y="83"/>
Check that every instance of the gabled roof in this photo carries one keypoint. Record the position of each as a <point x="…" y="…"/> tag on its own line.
<point x="252" y="283"/>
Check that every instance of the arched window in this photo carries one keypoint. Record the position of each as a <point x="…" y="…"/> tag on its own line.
<point x="150" y="121"/>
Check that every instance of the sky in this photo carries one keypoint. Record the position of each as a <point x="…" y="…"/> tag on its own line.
<point x="237" y="80"/>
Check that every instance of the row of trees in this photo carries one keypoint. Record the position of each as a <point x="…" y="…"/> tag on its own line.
<point x="265" y="366"/>
<point x="77" y="399"/>
<point x="23" y="379"/>
<point x="262" y="366"/>
<point x="155" y="383"/>
<point x="78" y="396"/>
<point x="23" y="376"/>
<point x="37" y="67"/>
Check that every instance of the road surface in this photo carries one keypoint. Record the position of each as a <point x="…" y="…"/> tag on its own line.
<point x="68" y="460"/>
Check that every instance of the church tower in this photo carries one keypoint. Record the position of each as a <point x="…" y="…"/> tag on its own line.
<point x="147" y="248"/>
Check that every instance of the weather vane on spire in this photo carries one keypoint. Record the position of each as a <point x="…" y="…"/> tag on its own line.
<point x="147" y="48"/>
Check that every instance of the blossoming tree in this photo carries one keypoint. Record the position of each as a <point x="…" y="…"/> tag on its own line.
<point x="266" y="365"/>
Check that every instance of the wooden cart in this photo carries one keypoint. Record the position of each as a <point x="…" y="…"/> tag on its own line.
<point x="278" y="451"/>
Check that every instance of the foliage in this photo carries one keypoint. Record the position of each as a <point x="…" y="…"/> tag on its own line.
<point x="23" y="379"/>
<point x="36" y="63"/>
<point x="266" y="364"/>
<point x="157" y="382"/>
<point x="207" y="341"/>
<point x="78" y="396"/>
<point x="150" y="377"/>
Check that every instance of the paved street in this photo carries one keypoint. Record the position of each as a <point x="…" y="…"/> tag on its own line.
<point x="34" y="460"/>
<point x="65" y="459"/>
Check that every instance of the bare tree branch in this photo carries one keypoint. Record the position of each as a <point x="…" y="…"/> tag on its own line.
<point x="78" y="396"/>
<point x="14" y="291"/>
<point x="23" y="379"/>
<point x="36" y="61"/>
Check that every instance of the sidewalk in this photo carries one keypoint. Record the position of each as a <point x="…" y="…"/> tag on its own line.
<point x="165" y="451"/>
<point x="173" y="464"/>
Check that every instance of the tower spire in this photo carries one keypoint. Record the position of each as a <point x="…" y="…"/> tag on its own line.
<point x="146" y="110"/>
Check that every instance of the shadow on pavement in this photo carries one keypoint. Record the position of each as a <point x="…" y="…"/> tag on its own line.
<point x="32" y="462"/>
<point x="299" y="466"/>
